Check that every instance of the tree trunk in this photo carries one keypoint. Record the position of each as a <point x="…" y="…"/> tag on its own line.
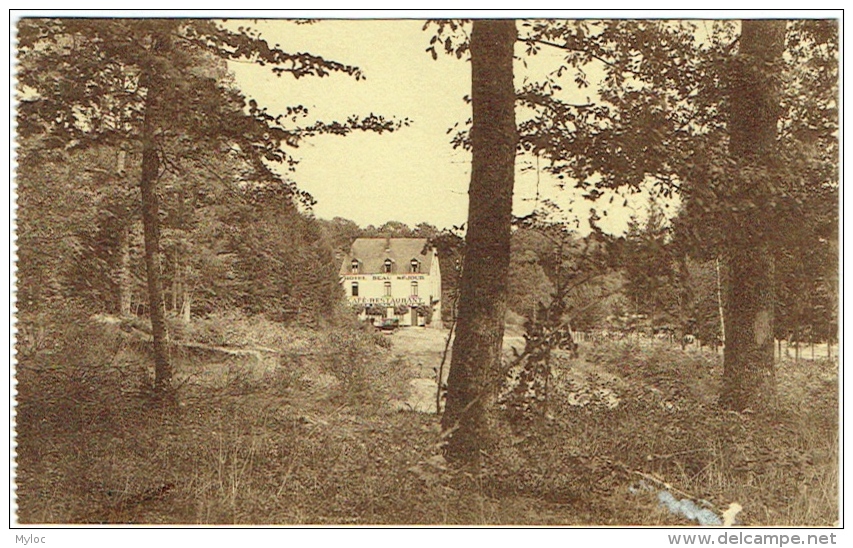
<point x="151" y="235"/>
<point x="176" y="282"/>
<point x="476" y="363"/>
<point x="749" y="373"/>
<point x="797" y="343"/>
<point x="720" y="303"/>
<point x="125" y="278"/>
<point x="749" y="376"/>
<point x="178" y="289"/>
<point x="186" y="303"/>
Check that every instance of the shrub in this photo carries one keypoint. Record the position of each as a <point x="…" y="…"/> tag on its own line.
<point x="358" y="360"/>
<point x="781" y="466"/>
<point x="75" y="400"/>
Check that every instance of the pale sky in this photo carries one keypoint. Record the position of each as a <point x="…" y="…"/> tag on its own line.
<point x="412" y="175"/>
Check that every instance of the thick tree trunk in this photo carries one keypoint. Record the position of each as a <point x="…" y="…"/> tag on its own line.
<point x="476" y="363"/>
<point x="749" y="374"/>
<point x="151" y="235"/>
<point x="749" y="378"/>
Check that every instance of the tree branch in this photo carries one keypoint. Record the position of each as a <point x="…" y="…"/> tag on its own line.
<point x="566" y="47"/>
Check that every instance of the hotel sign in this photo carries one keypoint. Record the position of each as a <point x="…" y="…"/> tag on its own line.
<point x="384" y="277"/>
<point x="412" y="300"/>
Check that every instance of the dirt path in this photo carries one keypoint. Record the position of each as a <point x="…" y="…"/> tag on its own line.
<point x="423" y="348"/>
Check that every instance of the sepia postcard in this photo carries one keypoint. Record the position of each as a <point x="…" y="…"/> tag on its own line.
<point x="431" y="269"/>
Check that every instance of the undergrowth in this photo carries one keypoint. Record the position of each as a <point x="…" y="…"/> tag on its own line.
<point x="781" y="466"/>
<point x="312" y="440"/>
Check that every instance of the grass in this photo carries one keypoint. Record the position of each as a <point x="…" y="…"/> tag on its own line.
<point x="782" y="467"/>
<point x="311" y="439"/>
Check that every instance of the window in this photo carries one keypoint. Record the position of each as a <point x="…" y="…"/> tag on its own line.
<point x="355" y="266"/>
<point x="355" y="289"/>
<point x="387" y="289"/>
<point x="386" y="267"/>
<point x="416" y="265"/>
<point x="414" y="288"/>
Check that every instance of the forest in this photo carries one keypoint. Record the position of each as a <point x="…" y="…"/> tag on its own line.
<point x="185" y="355"/>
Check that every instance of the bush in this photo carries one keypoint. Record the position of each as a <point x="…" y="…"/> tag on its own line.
<point x="781" y="466"/>
<point x="358" y="359"/>
<point x="75" y="399"/>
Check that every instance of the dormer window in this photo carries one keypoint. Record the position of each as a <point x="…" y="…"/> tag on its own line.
<point x="416" y="265"/>
<point x="355" y="266"/>
<point x="386" y="266"/>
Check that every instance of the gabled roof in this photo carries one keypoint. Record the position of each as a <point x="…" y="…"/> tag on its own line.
<point x="372" y="252"/>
